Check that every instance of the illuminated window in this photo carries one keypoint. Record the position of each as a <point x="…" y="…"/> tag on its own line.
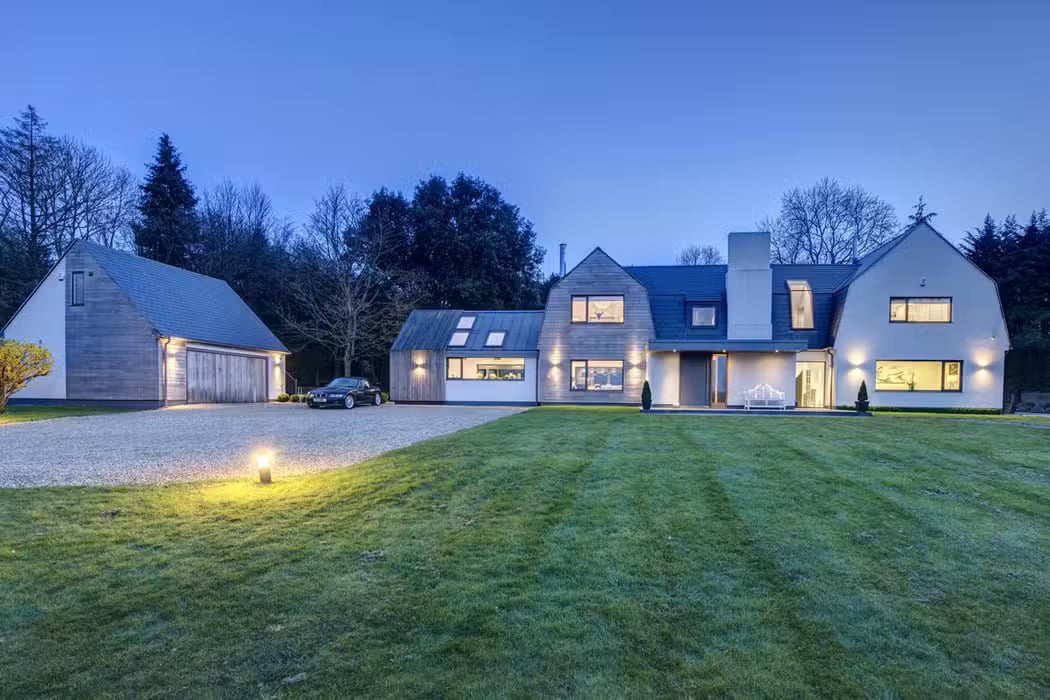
<point x="486" y="368"/>
<point x="703" y="316"/>
<point x="77" y="286"/>
<point x="459" y="339"/>
<point x="920" y="310"/>
<point x="597" y="309"/>
<point x="495" y="339"/>
<point x="801" y="305"/>
<point x="466" y="322"/>
<point x="597" y="375"/>
<point x="918" y="375"/>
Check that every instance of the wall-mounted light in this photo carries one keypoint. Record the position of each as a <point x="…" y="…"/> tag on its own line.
<point x="277" y="360"/>
<point x="419" y="365"/>
<point x="263" y="460"/>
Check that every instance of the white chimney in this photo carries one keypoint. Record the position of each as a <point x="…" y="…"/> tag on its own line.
<point x="749" y="287"/>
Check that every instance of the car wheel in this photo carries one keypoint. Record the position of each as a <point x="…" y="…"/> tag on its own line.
<point x="349" y="401"/>
<point x="312" y="405"/>
<point x="378" y="399"/>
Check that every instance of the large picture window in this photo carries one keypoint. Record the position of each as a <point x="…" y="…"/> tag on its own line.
<point x="487" y="368"/>
<point x="918" y="375"/>
<point x="597" y="375"/>
<point x="801" y="305"/>
<point x="920" y="309"/>
<point x="597" y="309"/>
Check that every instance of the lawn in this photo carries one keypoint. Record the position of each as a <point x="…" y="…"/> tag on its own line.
<point x="559" y="552"/>
<point x="23" y="413"/>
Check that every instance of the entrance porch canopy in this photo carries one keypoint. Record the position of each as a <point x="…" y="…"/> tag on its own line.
<point x="716" y="345"/>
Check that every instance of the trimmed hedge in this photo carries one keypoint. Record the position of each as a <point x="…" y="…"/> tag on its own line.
<point x="283" y="397"/>
<point x="908" y="409"/>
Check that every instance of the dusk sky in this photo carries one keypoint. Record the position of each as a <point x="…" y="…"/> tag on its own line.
<point x="638" y="127"/>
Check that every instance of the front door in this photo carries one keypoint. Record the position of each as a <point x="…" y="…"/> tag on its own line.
<point x="694" y="378"/>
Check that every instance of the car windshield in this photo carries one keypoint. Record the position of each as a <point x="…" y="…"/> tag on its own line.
<point x="344" y="383"/>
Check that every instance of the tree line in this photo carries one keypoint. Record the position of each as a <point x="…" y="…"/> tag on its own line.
<point x="335" y="289"/>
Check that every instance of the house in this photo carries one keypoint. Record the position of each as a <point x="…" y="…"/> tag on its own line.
<point x="131" y="331"/>
<point x="914" y="318"/>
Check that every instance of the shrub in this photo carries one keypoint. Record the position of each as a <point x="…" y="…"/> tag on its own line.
<point x="296" y="398"/>
<point x="283" y="397"/>
<point x="386" y="396"/>
<point x="862" y="395"/>
<point x="647" y="396"/>
<point x="20" y="363"/>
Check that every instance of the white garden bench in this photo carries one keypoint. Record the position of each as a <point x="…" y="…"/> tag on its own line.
<point x="764" y="396"/>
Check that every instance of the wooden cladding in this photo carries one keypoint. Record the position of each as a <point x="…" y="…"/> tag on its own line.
<point x="216" y="377"/>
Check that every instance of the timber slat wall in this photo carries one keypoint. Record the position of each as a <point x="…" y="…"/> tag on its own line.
<point x="408" y="383"/>
<point x="111" y="350"/>
<point x="562" y="341"/>
<point x="213" y="377"/>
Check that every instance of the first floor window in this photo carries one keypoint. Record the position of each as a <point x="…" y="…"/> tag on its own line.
<point x="801" y="295"/>
<point x="597" y="375"/>
<point x="918" y="375"/>
<point x="496" y="368"/>
<point x="597" y="309"/>
<point x="703" y="316"/>
<point x="920" y="309"/>
<point x="77" y="285"/>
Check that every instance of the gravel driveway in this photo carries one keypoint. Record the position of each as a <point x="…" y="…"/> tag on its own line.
<point x="208" y="442"/>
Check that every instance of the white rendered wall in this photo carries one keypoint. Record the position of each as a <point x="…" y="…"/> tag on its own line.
<point x="749" y="287"/>
<point x="493" y="390"/>
<point x="43" y="321"/>
<point x="976" y="335"/>
<point x="664" y="374"/>
<point x="746" y="370"/>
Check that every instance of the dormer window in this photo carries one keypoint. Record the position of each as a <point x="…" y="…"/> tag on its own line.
<point x="459" y="339"/>
<point x="495" y="339"/>
<point x="703" y="316"/>
<point x="801" y="305"/>
<point x="465" y="323"/>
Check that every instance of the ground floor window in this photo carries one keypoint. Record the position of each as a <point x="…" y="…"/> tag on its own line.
<point x="492" y="368"/>
<point x="918" y="375"/>
<point x="597" y="375"/>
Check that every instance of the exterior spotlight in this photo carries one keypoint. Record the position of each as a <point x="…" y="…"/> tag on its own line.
<point x="263" y="460"/>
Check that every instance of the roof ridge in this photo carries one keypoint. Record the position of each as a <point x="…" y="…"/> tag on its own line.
<point x="151" y="261"/>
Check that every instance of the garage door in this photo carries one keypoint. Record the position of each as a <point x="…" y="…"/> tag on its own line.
<point x="216" y="377"/>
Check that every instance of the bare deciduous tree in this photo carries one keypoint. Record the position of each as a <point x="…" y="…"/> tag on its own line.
<point x="828" y="223"/>
<point x="700" y="255"/>
<point x="344" y="291"/>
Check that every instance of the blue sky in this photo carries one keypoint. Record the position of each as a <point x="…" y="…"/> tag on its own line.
<point x="639" y="127"/>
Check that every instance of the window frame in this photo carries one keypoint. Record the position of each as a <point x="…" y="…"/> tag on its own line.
<point x="587" y="380"/>
<point x="791" y="305"/>
<point x="907" y="309"/>
<point x="466" y="338"/>
<point x="703" y="305"/>
<point x="74" y="298"/>
<point x="587" y="310"/>
<point x="944" y="368"/>
<point x="461" y="378"/>
<point x="502" y="340"/>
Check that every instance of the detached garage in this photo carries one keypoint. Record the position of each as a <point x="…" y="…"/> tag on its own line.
<point x="131" y="331"/>
<point x="466" y="357"/>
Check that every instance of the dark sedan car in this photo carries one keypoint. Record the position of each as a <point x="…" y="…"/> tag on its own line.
<point x="345" y="392"/>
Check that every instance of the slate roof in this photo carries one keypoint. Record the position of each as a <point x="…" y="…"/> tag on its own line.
<point x="673" y="289"/>
<point x="184" y="304"/>
<point x="431" y="329"/>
